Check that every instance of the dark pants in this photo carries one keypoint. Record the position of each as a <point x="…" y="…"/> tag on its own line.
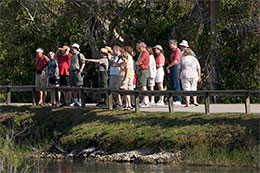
<point x="102" y="83"/>
<point x="175" y="83"/>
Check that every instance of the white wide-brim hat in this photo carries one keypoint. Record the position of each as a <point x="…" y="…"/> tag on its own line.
<point x="76" y="46"/>
<point x="184" y="43"/>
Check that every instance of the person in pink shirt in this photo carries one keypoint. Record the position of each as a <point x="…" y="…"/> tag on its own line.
<point x="172" y="69"/>
<point x="41" y="74"/>
<point x="160" y="62"/>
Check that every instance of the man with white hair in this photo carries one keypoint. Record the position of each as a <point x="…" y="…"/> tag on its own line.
<point x="40" y="77"/>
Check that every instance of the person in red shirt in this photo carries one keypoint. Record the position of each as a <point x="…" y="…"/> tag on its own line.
<point x="41" y="74"/>
<point x="142" y="70"/>
<point x="63" y="56"/>
<point x="172" y="69"/>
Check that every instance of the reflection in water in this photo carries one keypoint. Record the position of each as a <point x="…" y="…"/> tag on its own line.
<point x="67" y="166"/>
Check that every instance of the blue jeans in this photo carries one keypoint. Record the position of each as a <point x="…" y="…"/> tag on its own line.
<point x="175" y="83"/>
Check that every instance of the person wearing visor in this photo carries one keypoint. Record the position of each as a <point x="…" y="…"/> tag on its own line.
<point x="40" y="76"/>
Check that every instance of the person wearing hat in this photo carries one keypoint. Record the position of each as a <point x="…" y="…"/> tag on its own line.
<point x="190" y="74"/>
<point x="102" y="72"/>
<point x="40" y="78"/>
<point x="183" y="45"/>
<point x="110" y="52"/>
<point x="172" y="69"/>
<point x="63" y="55"/>
<point x="160" y="62"/>
<point x="77" y="65"/>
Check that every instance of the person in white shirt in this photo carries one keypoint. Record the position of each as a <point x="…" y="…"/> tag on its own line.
<point x="190" y="74"/>
<point x="151" y="73"/>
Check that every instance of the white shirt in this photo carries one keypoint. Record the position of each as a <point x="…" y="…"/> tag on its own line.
<point x="189" y="66"/>
<point x="152" y="67"/>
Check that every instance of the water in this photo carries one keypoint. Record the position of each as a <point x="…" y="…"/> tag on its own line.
<point x="66" y="166"/>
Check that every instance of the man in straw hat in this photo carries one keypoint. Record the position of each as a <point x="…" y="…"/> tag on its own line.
<point x="183" y="45"/>
<point x="102" y="72"/>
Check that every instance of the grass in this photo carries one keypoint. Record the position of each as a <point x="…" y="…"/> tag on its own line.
<point x="216" y="139"/>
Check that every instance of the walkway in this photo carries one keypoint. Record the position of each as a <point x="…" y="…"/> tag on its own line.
<point x="214" y="108"/>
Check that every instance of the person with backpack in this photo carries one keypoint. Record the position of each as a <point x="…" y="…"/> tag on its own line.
<point x="76" y="75"/>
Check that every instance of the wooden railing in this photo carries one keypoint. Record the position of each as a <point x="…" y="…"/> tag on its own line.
<point x="137" y="93"/>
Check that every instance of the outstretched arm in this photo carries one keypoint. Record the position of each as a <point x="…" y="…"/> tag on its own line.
<point x="92" y="60"/>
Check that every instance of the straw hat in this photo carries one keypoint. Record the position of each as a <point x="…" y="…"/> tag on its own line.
<point x="184" y="43"/>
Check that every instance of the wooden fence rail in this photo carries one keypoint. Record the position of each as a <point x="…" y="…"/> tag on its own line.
<point x="137" y="93"/>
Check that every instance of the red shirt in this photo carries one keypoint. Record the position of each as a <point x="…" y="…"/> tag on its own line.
<point x="64" y="64"/>
<point x="144" y="60"/>
<point x="41" y="62"/>
<point x="160" y="59"/>
<point x="176" y="55"/>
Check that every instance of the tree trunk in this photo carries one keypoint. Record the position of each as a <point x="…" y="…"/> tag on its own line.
<point x="213" y="56"/>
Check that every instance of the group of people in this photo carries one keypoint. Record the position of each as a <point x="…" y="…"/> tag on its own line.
<point x="117" y="69"/>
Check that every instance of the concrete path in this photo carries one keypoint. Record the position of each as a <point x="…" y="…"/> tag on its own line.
<point x="214" y="108"/>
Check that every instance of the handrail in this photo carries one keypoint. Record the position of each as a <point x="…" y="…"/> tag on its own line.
<point x="137" y="93"/>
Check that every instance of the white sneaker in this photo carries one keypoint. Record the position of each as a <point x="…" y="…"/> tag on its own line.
<point x="143" y="105"/>
<point x="177" y="103"/>
<point x="160" y="103"/>
<point x="152" y="103"/>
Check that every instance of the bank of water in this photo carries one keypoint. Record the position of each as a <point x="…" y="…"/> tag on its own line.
<point x="49" y="165"/>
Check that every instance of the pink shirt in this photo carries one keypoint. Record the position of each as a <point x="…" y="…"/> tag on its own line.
<point x="175" y="55"/>
<point x="160" y="59"/>
<point x="125" y="68"/>
<point x="41" y="62"/>
<point x="144" y="60"/>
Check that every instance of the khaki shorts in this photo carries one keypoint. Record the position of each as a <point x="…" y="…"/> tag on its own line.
<point x="142" y="78"/>
<point x="151" y="82"/>
<point x="114" y="81"/>
<point x="75" y="79"/>
<point x="40" y="81"/>
<point x="131" y="84"/>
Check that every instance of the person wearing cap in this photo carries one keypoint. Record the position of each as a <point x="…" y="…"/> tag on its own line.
<point x="172" y="69"/>
<point x="52" y="69"/>
<point x="190" y="74"/>
<point x="151" y="73"/>
<point x="77" y="65"/>
<point x="183" y="45"/>
<point x="40" y="78"/>
<point x="142" y="71"/>
<point x="102" y="72"/>
<point x="63" y="55"/>
<point x="160" y="62"/>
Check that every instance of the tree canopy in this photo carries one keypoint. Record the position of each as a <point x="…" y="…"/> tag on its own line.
<point x="225" y="35"/>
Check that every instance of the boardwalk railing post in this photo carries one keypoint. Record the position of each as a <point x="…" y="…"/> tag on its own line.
<point x="207" y="103"/>
<point x="110" y="100"/>
<point x="8" y="95"/>
<point x="247" y="103"/>
<point x="82" y="97"/>
<point x="170" y="103"/>
<point x="33" y="96"/>
<point x="137" y="102"/>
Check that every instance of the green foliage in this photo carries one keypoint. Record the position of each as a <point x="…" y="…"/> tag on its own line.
<point x="25" y="26"/>
<point x="216" y="139"/>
